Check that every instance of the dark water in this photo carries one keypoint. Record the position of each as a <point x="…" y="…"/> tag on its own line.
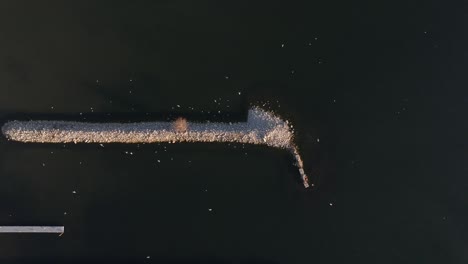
<point x="377" y="93"/>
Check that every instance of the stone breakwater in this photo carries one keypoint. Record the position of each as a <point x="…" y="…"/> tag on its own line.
<point x="261" y="128"/>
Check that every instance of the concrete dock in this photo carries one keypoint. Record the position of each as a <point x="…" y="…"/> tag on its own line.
<point x="32" y="229"/>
